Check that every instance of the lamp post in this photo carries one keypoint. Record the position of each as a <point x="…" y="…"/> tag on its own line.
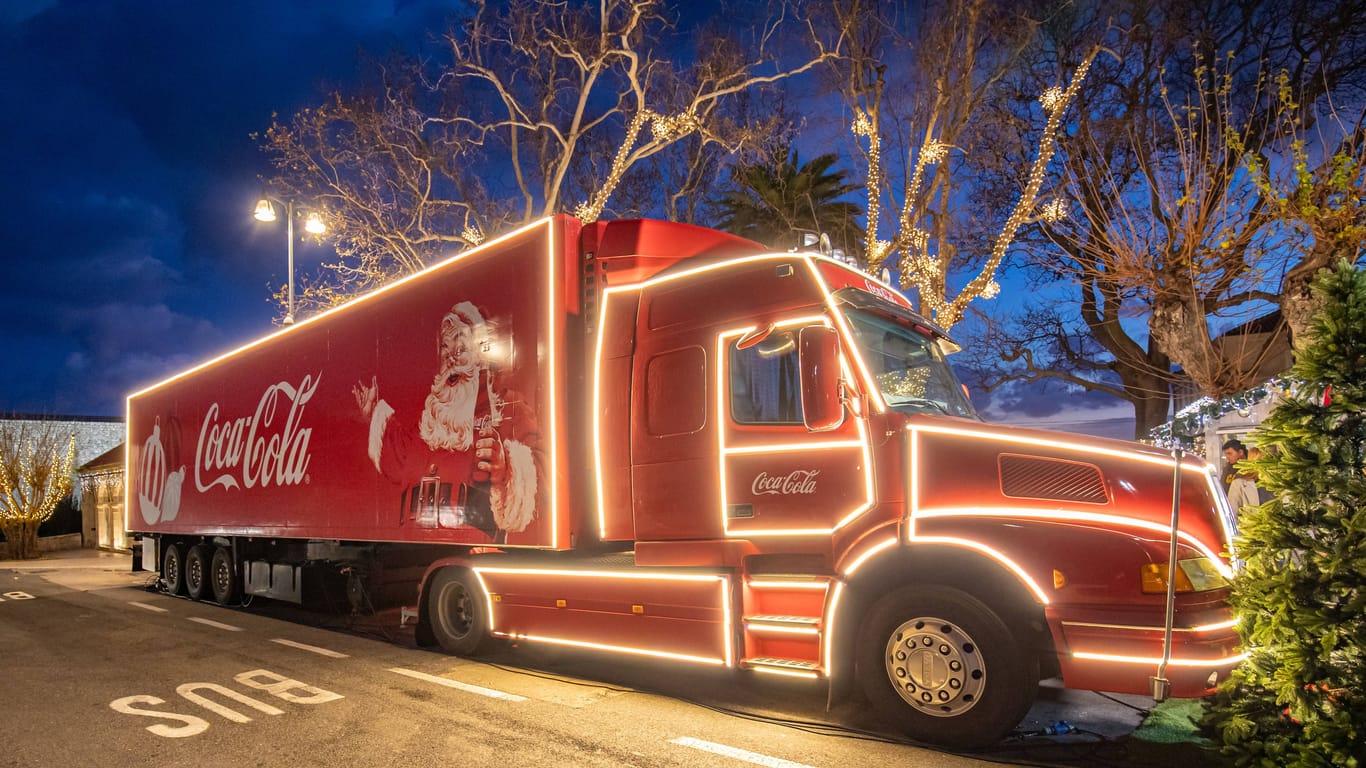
<point x="313" y="224"/>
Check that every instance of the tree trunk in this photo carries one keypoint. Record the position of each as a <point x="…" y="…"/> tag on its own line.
<point x="21" y="540"/>
<point x="1151" y="398"/>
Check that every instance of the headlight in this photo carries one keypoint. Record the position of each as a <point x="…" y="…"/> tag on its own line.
<point x="1196" y="574"/>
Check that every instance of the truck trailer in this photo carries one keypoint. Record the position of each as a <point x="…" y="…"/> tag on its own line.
<point x="655" y="439"/>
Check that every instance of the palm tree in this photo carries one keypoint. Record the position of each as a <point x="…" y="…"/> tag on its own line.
<point x="776" y="203"/>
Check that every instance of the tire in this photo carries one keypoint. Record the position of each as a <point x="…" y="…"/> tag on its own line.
<point x="196" y="573"/>
<point x="945" y="667"/>
<point x="173" y="568"/>
<point x="223" y="577"/>
<point x="458" y="612"/>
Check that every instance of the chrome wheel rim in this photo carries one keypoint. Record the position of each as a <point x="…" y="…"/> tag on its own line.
<point x="935" y="666"/>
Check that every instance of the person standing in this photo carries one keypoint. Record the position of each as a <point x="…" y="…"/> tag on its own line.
<point x="1234" y="452"/>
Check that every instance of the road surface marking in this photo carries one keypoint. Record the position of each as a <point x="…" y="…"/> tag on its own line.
<point x="466" y="687"/>
<point x="150" y="607"/>
<point x="310" y="648"/>
<point x="212" y="623"/>
<point x="738" y="754"/>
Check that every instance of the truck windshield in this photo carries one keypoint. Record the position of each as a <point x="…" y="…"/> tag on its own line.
<point x="909" y="368"/>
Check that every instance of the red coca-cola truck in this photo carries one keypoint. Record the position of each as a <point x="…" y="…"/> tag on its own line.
<point x="654" y="439"/>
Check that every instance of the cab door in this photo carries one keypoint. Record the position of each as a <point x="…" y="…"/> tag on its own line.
<point x="779" y="478"/>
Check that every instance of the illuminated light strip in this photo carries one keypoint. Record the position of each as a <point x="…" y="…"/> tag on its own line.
<point x="597" y="415"/>
<point x="488" y="600"/>
<point x="791" y="447"/>
<point x="873" y="550"/>
<point x="128" y="475"/>
<point x="727" y="632"/>
<point x="722" y="411"/>
<point x="1226" y="516"/>
<point x="1230" y="624"/>
<point x="913" y="537"/>
<point x="993" y="554"/>
<point x="554" y="313"/>
<point x="780" y="629"/>
<point x="1090" y="517"/>
<point x="916" y="513"/>
<point x="869" y="382"/>
<point x="1154" y="660"/>
<point x="711" y="660"/>
<point x="760" y="584"/>
<point x="767" y="670"/>
<point x="622" y="575"/>
<point x="865" y="276"/>
<point x="358" y="300"/>
<point x="827" y="639"/>
<point x="1051" y="443"/>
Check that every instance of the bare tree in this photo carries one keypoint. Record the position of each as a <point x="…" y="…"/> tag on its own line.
<point x="539" y="107"/>
<point x="924" y="131"/>
<point x="1174" y="233"/>
<point x="35" y="474"/>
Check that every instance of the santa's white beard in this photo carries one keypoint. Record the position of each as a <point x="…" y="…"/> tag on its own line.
<point x="448" y="418"/>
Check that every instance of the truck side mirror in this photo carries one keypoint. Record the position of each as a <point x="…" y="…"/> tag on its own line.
<point x="818" y="357"/>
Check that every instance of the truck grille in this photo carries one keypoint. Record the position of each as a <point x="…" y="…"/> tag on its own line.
<point x="1032" y="477"/>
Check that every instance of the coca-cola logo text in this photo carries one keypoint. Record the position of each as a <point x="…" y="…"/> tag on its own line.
<point x="797" y="481"/>
<point x="268" y="447"/>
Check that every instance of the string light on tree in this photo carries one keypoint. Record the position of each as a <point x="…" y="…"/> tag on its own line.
<point x="1052" y="99"/>
<point x="950" y="312"/>
<point x="1053" y="211"/>
<point x="589" y="211"/>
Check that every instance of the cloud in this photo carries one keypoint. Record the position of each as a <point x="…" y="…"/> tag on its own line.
<point x="1050" y="397"/>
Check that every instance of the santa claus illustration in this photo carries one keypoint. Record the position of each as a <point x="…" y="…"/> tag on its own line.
<point x="470" y="458"/>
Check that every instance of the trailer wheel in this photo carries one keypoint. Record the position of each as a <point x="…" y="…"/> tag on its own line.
<point x="223" y="576"/>
<point x="458" y="613"/>
<point x="173" y="568"/>
<point x="196" y="573"/>
<point x="945" y="666"/>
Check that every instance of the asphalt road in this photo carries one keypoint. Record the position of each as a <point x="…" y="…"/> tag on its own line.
<point x="100" y="671"/>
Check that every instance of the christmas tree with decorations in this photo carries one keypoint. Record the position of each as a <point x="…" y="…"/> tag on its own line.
<point x="1300" y="697"/>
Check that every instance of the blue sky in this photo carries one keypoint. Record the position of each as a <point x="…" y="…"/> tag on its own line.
<point x="130" y="172"/>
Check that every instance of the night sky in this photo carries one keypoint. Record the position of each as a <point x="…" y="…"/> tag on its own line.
<point x="130" y="174"/>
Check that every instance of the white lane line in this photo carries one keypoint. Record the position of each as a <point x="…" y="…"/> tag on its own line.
<point x="310" y="648"/>
<point x="215" y="624"/>
<point x="466" y="687"/>
<point x="737" y="754"/>
<point x="150" y="607"/>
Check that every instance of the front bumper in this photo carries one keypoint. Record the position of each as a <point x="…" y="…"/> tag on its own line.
<point x="1120" y="650"/>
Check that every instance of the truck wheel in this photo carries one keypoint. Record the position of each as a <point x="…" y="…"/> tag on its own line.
<point x="458" y="613"/>
<point x="945" y="666"/>
<point x="223" y="576"/>
<point x="173" y="568"/>
<point x="196" y="573"/>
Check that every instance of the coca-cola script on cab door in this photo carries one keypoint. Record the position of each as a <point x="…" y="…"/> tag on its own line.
<point x="796" y="481"/>
<point x="254" y="447"/>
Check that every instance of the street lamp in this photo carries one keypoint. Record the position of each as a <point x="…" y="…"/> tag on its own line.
<point x="313" y="224"/>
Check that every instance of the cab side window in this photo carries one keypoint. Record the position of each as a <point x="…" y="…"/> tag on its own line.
<point x="764" y="384"/>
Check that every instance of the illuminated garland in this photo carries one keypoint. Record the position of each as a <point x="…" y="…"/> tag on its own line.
<point x="1191" y="419"/>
